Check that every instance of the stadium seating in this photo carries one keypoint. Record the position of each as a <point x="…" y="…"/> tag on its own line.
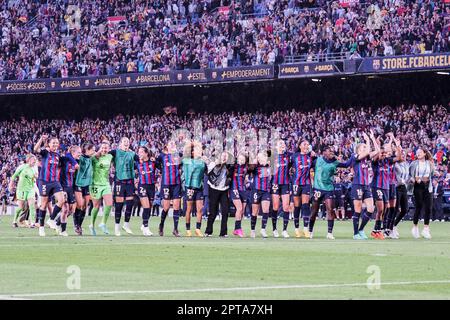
<point x="88" y="38"/>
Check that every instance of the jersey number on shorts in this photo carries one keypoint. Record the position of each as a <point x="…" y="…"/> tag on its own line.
<point x="380" y="194"/>
<point x="317" y="195"/>
<point x="359" y="192"/>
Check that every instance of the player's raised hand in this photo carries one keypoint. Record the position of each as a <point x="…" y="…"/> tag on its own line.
<point x="44" y="137"/>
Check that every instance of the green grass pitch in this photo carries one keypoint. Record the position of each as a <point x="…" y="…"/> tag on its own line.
<point x="134" y="267"/>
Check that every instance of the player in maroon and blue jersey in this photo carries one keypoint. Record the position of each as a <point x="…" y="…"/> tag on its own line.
<point x="238" y="192"/>
<point x="260" y="192"/>
<point x="69" y="166"/>
<point x="169" y="164"/>
<point x="280" y="187"/>
<point x="146" y="169"/>
<point x="301" y="186"/>
<point x="361" y="191"/>
<point x="390" y="210"/>
<point x="380" y="187"/>
<point x="49" y="180"/>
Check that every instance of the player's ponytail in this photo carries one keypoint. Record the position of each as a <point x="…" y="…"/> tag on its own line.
<point x="87" y="146"/>
<point x="429" y="157"/>
<point x="29" y="157"/>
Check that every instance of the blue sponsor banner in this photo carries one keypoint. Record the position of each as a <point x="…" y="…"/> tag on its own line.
<point x="131" y="80"/>
<point x="405" y="63"/>
<point x="251" y="73"/>
<point x="41" y="85"/>
<point x="396" y="64"/>
<point x="308" y="69"/>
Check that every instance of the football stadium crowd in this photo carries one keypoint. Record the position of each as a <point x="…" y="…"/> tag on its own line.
<point x="48" y="39"/>
<point x="414" y="125"/>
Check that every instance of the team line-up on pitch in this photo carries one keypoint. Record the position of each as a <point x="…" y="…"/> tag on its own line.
<point x="380" y="177"/>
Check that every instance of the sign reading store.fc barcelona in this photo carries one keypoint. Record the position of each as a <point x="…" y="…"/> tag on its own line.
<point x="406" y="63"/>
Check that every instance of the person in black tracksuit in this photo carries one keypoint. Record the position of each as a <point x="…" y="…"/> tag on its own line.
<point x="219" y="181"/>
<point x="421" y="172"/>
<point x="401" y="207"/>
<point x="438" y="194"/>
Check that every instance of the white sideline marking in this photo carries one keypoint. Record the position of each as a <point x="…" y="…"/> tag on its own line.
<point x="111" y="240"/>
<point x="301" y="286"/>
<point x="12" y="298"/>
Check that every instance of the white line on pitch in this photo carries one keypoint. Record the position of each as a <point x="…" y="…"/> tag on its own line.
<point x="301" y="286"/>
<point x="115" y="241"/>
<point x="12" y="298"/>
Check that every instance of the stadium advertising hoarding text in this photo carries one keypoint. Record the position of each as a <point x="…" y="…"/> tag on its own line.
<point x="176" y="77"/>
<point x="308" y="69"/>
<point x="395" y="64"/>
<point x="405" y="63"/>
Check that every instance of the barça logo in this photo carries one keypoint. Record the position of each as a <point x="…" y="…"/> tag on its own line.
<point x="214" y="75"/>
<point x="86" y="82"/>
<point x="128" y="79"/>
<point x="306" y="69"/>
<point x="180" y="76"/>
<point x="376" y="64"/>
<point x="53" y="84"/>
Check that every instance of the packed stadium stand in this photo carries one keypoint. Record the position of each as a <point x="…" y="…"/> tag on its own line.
<point x="60" y="39"/>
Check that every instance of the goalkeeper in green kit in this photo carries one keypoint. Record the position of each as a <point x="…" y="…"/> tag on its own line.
<point x="100" y="189"/>
<point x="27" y="175"/>
<point x="124" y="162"/>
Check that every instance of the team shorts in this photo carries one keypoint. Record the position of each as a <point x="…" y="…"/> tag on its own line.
<point x="69" y="195"/>
<point x="392" y="192"/>
<point x="298" y="190"/>
<point x="123" y="189"/>
<point x="146" y="191"/>
<point x="279" y="189"/>
<point x="84" y="190"/>
<point x="25" y="195"/>
<point x="360" y="192"/>
<point x="49" y="188"/>
<point x="97" y="192"/>
<point x="260" y="195"/>
<point x="339" y="197"/>
<point x="320" y="195"/>
<point x="380" y="194"/>
<point x="240" y="195"/>
<point x="193" y="194"/>
<point x="170" y="192"/>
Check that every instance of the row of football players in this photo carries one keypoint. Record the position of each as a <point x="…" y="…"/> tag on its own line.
<point x="84" y="173"/>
